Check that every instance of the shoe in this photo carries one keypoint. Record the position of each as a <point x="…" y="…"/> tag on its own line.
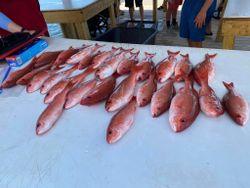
<point x="160" y="8"/>
<point x="209" y="34"/>
<point x="175" y="26"/>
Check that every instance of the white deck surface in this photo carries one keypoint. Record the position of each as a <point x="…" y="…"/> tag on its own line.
<point x="211" y="153"/>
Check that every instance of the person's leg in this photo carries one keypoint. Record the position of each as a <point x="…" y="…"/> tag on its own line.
<point x="142" y="12"/>
<point x="194" y="44"/>
<point x="168" y="17"/>
<point x="139" y="3"/>
<point x="209" y="28"/>
<point x="174" y="17"/>
<point x="130" y="5"/>
<point x="131" y="13"/>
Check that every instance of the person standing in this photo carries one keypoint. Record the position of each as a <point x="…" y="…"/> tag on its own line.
<point x="195" y="16"/>
<point x="130" y="5"/>
<point x="172" y="12"/>
<point x="19" y="16"/>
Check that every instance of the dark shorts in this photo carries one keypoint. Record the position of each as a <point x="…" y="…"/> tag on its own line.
<point x="189" y="12"/>
<point x="130" y="3"/>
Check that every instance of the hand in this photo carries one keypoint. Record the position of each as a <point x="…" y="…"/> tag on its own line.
<point x="200" y="19"/>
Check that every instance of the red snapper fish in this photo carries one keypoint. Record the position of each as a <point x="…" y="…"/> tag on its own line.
<point x="144" y="68"/>
<point x="53" y="112"/>
<point x="183" y="68"/>
<point x="104" y="56"/>
<point x="125" y="66"/>
<point x="11" y="80"/>
<point x="37" y="81"/>
<point x="27" y="77"/>
<point x="100" y="92"/>
<point x="64" y="55"/>
<point x="123" y="94"/>
<point x="54" y="79"/>
<point x="55" y="90"/>
<point x="235" y="105"/>
<point x="83" y="54"/>
<point x="203" y="68"/>
<point x="46" y="58"/>
<point x="184" y="107"/>
<point x="76" y="94"/>
<point x="121" y="122"/>
<point x="166" y="67"/>
<point x="210" y="104"/>
<point x="111" y="65"/>
<point x="146" y="91"/>
<point x="87" y="60"/>
<point x="161" y="99"/>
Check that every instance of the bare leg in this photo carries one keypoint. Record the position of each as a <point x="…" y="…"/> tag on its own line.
<point x="142" y="12"/>
<point x="168" y="17"/>
<point x="194" y="44"/>
<point x="131" y="13"/>
<point x="209" y="28"/>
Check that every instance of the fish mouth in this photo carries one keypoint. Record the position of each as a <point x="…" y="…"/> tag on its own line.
<point x="113" y="136"/>
<point x="241" y="120"/>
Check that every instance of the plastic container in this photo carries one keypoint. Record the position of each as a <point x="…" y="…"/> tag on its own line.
<point x="131" y="32"/>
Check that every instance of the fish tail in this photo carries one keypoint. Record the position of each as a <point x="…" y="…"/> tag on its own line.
<point x="185" y="56"/>
<point x="126" y="50"/>
<point x="149" y="55"/>
<point x="170" y="53"/>
<point x="210" y="56"/>
<point x="229" y="86"/>
<point x="99" y="45"/>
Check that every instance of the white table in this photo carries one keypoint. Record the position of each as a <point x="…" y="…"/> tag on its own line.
<point x="211" y="153"/>
<point x="235" y="22"/>
<point x="74" y="14"/>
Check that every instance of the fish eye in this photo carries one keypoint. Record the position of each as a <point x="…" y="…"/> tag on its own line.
<point x="238" y="116"/>
<point x="110" y="132"/>
<point x="88" y="97"/>
<point x="182" y="120"/>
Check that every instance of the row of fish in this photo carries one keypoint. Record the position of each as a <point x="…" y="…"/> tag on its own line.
<point x="53" y="74"/>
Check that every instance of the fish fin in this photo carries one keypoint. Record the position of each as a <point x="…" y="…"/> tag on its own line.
<point x="114" y="49"/>
<point x="170" y="53"/>
<point x="229" y="86"/>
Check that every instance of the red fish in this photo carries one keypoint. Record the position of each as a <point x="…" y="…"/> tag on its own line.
<point x="161" y="99"/>
<point x="76" y="94"/>
<point x="111" y="65"/>
<point x="83" y="54"/>
<point x="27" y="77"/>
<point x="184" y="107"/>
<point x="53" y="112"/>
<point x="235" y="105"/>
<point x="121" y="122"/>
<point x="101" y="58"/>
<point x="210" y="104"/>
<point x="46" y="58"/>
<point x="11" y="80"/>
<point x="123" y="94"/>
<point x="125" y="66"/>
<point x="100" y="92"/>
<point x="145" y="92"/>
<point x="55" y="90"/>
<point x="203" y="68"/>
<point x="54" y="79"/>
<point x="183" y="68"/>
<point x="77" y="79"/>
<point x="37" y="81"/>
<point x="166" y="67"/>
<point x="64" y="55"/>
<point x="87" y="60"/>
<point x="143" y="68"/>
